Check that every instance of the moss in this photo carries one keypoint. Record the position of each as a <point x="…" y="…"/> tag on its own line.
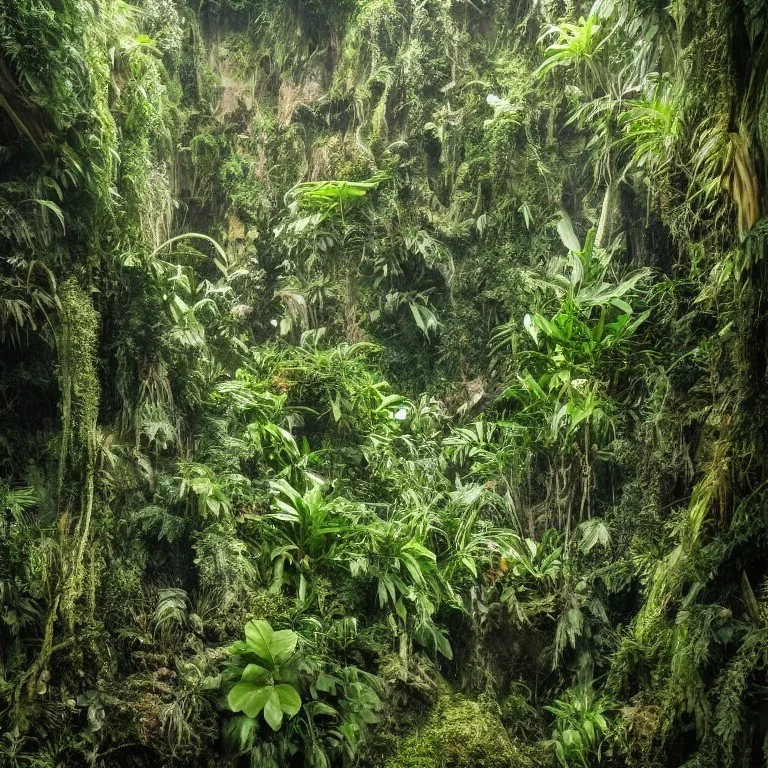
<point x="79" y="339"/>
<point x="459" y="733"/>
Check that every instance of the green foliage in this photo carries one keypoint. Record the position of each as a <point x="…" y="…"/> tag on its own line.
<point x="310" y="532"/>
<point x="205" y="432"/>
<point x="529" y="572"/>
<point x="576" y="45"/>
<point x="581" y="726"/>
<point x="257" y="689"/>
<point x="327" y="197"/>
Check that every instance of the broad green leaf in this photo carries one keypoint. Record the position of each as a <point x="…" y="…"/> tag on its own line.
<point x="249" y="698"/>
<point x="283" y="645"/>
<point x="290" y="701"/>
<point x="349" y="731"/>
<point x="387" y="401"/>
<point x="273" y="713"/>
<point x="326" y="683"/>
<point x="239" y="647"/>
<point x="253" y="673"/>
<point x="543" y="324"/>
<point x="321" y="708"/>
<point x="282" y="486"/>
<point x="412" y="567"/>
<point x="259" y="635"/>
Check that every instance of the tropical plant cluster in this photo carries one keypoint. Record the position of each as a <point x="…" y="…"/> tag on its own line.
<point x="383" y="383"/>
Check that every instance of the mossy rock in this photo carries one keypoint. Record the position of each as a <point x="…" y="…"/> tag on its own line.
<point x="460" y="733"/>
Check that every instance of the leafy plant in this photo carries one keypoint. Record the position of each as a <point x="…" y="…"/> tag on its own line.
<point x="310" y="531"/>
<point x="581" y="726"/>
<point x="263" y="660"/>
<point x="576" y="45"/>
<point x="329" y="196"/>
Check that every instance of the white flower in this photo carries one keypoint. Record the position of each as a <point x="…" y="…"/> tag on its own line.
<point x="401" y="415"/>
